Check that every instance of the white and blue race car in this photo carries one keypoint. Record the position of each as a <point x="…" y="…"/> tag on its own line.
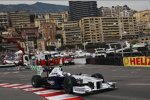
<point x="56" y="78"/>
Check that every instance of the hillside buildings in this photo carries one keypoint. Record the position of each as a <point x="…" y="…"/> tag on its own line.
<point x="19" y="19"/>
<point x="143" y="21"/>
<point x="4" y="19"/>
<point x="71" y="33"/>
<point x="48" y="31"/>
<point x="116" y="11"/>
<point x="29" y="35"/>
<point x="57" y="18"/>
<point x="83" y="23"/>
<point x="107" y="29"/>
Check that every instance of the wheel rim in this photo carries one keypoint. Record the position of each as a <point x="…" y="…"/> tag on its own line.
<point x="33" y="83"/>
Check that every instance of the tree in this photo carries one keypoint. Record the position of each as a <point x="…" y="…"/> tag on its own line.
<point x="2" y="28"/>
<point x="50" y="48"/>
<point x="59" y="36"/>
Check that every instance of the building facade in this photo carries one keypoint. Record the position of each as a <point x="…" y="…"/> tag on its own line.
<point x="57" y="18"/>
<point x="29" y="35"/>
<point x="19" y="19"/>
<point x="80" y="9"/>
<point x="4" y="19"/>
<point x="116" y="11"/>
<point x="71" y="33"/>
<point x="38" y="22"/>
<point x="143" y="21"/>
<point x="107" y="29"/>
<point x="105" y="11"/>
<point x="91" y="29"/>
<point x="48" y="33"/>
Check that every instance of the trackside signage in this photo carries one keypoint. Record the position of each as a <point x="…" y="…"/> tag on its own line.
<point x="141" y="61"/>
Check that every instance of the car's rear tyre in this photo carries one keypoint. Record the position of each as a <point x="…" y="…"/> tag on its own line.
<point x="98" y="75"/>
<point x="36" y="81"/>
<point x="68" y="84"/>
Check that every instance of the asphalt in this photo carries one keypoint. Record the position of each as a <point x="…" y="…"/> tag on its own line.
<point x="132" y="83"/>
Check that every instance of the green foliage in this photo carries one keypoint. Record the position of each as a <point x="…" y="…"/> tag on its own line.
<point x="59" y="36"/>
<point x="50" y="48"/>
<point x="66" y="47"/>
<point x="80" y="46"/>
<point x="2" y="28"/>
<point x="134" y="41"/>
<point x="95" y="45"/>
<point x="2" y="49"/>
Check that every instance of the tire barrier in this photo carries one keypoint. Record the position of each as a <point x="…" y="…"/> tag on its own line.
<point x="105" y="61"/>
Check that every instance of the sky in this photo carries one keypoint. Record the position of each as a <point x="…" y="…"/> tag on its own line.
<point x="133" y="4"/>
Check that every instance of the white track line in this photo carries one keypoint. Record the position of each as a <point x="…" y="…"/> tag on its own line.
<point x="47" y="91"/>
<point x="12" y="85"/>
<point x="144" y="84"/>
<point x="60" y="97"/>
<point x="32" y="89"/>
<point x="22" y="87"/>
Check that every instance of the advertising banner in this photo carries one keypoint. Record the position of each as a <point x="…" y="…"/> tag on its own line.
<point x="141" y="61"/>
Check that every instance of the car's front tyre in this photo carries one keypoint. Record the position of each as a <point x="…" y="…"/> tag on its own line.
<point x="68" y="84"/>
<point x="36" y="81"/>
<point x="98" y="75"/>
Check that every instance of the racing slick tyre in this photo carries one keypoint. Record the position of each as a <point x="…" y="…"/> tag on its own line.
<point x="68" y="84"/>
<point x="36" y="81"/>
<point x="98" y="75"/>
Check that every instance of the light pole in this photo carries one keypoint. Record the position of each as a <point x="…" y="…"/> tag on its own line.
<point x="121" y="36"/>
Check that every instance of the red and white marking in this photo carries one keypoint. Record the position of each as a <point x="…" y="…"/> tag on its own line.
<point x="49" y="94"/>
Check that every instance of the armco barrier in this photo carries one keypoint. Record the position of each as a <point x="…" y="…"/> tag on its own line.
<point x="105" y="61"/>
<point x="80" y="61"/>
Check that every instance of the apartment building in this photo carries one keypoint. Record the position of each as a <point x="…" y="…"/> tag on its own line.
<point x="38" y="22"/>
<point x="80" y="9"/>
<point x="105" y="11"/>
<point x="91" y="29"/>
<point x="41" y="45"/>
<point x="107" y="29"/>
<point x="4" y="19"/>
<point x="48" y="31"/>
<point x="30" y="35"/>
<point x="116" y="11"/>
<point x="71" y="33"/>
<point x="57" y="18"/>
<point x="143" y="21"/>
<point x="19" y="19"/>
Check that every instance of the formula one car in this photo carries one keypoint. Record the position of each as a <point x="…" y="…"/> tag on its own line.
<point x="56" y="78"/>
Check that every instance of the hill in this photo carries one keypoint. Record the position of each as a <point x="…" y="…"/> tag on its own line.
<point x="34" y="8"/>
